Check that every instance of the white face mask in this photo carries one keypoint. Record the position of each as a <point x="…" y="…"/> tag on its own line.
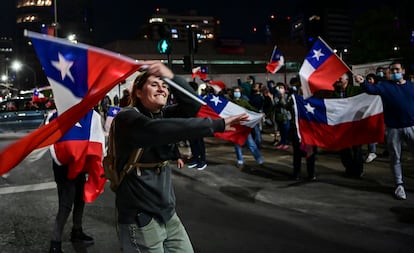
<point x="396" y="76"/>
<point x="281" y="90"/>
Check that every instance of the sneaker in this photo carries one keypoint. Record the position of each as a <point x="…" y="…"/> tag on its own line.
<point x="284" y="147"/>
<point x="400" y="192"/>
<point x="201" y="166"/>
<point x="370" y="157"/>
<point x="192" y="165"/>
<point x="77" y="235"/>
<point x="240" y="165"/>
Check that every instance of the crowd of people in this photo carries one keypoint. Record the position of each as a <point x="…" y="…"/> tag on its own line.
<point x="151" y="119"/>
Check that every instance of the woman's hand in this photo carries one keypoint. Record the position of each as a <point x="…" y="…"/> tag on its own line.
<point x="236" y="119"/>
<point x="157" y="68"/>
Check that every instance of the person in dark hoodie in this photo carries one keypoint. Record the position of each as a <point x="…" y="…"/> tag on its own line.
<point x="145" y="199"/>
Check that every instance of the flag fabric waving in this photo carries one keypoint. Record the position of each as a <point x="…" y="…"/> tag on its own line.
<point x="80" y="76"/>
<point x="82" y="149"/>
<point x="217" y="85"/>
<point x="338" y="123"/>
<point x="320" y="69"/>
<point x="276" y="61"/>
<point x="200" y="71"/>
<point x="219" y="107"/>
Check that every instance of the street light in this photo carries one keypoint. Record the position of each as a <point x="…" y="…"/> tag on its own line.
<point x="17" y="66"/>
<point x="341" y="52"/>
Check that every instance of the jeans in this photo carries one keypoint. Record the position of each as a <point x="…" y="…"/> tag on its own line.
<point x="258" y="135"/>
<point x="251" y="145"/>
<point x="155" y="237"/>
<point x="284" y="132"/>
<point x="372" y="148"/>
<point x="394" y="140"/>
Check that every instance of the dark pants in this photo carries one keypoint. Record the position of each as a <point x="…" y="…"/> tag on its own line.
<point x="70" y="193"/>
<point x="353" y="161"/>
<point x="298" y="153"/>
<point x="198" y="150"/>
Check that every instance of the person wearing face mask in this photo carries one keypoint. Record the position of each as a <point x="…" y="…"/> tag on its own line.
<point x="397" y="95"/>
<point x="282" y="115"/>
<point x="250" y="143"/>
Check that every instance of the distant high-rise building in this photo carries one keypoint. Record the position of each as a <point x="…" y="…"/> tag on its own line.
<point x="34" y="15"/>
<point x="334" y="25"/>
<point x="205" y="27"/>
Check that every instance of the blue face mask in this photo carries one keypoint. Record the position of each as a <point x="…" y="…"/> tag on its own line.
<point x="396" y="76"/>
<point x="380" y="74"/>
<point x="237" y="94"/>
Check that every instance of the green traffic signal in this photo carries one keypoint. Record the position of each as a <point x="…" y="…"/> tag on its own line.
<point x="164" y="46"/>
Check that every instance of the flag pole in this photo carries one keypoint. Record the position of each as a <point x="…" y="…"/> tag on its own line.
<point x="326" y="44"/>
<point x="186" y="92"/>
<point x="274" y="49"/>
<point x="178" y="87"/>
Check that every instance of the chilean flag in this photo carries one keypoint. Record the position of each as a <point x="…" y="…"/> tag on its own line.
<point x="81" y="148"/>
<point x="112" y="112"/>
<point x="37" y="96"/>
<point x="80" y="76"/>
<point x="200" y="71"/>
<point x="218" y="107"/>
<point x="217" y="85"/>
<point x="320" y="69"/>
<point x="338" y="123"/>
<point x="276" y="61"/>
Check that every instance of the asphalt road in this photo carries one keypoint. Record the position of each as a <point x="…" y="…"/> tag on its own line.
<point x="227" y="210"/>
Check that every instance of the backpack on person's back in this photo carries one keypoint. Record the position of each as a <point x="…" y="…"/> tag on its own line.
<point x="110" y="163"/>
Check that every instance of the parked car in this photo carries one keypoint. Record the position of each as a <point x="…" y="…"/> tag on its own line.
<point x="20" y="114"/>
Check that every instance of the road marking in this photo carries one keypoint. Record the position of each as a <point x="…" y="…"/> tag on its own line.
<point x="27" y="188"/>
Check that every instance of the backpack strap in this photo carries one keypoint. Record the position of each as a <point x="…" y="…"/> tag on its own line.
<point x="134" y="164"/>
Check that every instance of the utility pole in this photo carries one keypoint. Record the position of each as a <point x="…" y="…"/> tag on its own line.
<point x="55" y="22"/>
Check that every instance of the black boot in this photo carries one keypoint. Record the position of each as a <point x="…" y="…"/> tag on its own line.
<point x="77" y="235"/>
<point x="55" y="247"/>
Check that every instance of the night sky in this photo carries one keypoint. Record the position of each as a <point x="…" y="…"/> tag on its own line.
<point x="237" y="18"/>
<point x="121" y="19"/>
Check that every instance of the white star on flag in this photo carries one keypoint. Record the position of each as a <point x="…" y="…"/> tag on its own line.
<point x="317" y="54"/>
<point x="64" y="67"/>
<point x="216" y="100"/>
<point x="309" y="108"/>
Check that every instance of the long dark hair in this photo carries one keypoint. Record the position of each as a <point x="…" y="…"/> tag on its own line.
<point x="138" y="83"/>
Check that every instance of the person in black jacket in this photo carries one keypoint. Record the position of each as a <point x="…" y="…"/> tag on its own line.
<point x="351" y="157"/>
<point x="145" y="199"/>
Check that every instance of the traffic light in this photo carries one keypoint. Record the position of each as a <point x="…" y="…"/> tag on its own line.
<point x="164" y="46"/>
<point x="164" y="36"/>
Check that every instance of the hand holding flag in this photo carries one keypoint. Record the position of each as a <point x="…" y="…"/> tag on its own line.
<point x="320" y="69"/>
<point x="200" y="71"/>
<point x="219" y="107"/>
<point x="276" y="61"/>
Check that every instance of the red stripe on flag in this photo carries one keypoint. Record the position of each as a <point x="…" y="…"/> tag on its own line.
<point x="343" y="135"/>
<point x="325" y="76"/>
